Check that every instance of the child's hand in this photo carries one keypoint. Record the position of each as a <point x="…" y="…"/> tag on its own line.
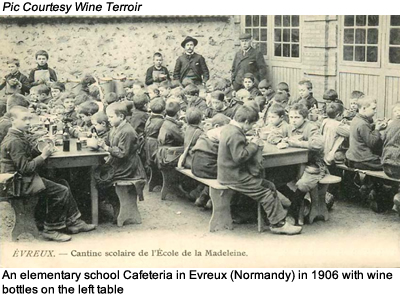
<point x="102" y="144"/>
<point x="47" y="151"/>
<point x="293" y="142"/>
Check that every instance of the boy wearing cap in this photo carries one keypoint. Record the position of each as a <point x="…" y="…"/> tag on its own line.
<point x="190" y="64"/>
<point x="247" y="60"/>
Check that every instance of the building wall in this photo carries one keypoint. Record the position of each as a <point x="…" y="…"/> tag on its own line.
<point x="115" y="46"/>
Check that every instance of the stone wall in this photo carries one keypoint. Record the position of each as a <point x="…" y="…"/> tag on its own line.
<point x="115" y="46"/>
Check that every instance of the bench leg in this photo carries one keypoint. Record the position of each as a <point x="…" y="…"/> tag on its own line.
<point x="260" y="219"/>
<point x="24" y="217"/>
<point x="221" y="216"/>
<point x="169" y="178"/>
<point x="128" y="210"/>
<point x="155" y="178"/>
<point x="318" y="205"/>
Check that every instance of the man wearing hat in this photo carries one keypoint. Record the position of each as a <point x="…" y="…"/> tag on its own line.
<point x="247" y="60"/>
<point x="191" y="65"/>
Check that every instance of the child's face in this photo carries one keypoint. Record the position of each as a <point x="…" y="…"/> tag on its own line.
<point x="281" y="91"/>
<point x="114" y="119"/>
<point x="22" y="121"/>
<point x="12" y="68"/>
<point x="304" y="92"/>
<point x="191" y="98"/>
<point x="69" y="104"/>
<point x="207" y="126"/>
<point x="217" y="104"/>
<point x="396" y="112"/>
<point x="296" y="119"/>
<point x="248" y="83"/>
<point x="41" y="60"/>
<point x="33" y="95"/>
<point x="164" y="92"/>
<point x="369" y="111"/>
<point x="41" y="97"/>
<point x="158" y="60"/>
<point x="353" y="105"/>
<point x="55" y="93"/>
<point x="274" y="119"/>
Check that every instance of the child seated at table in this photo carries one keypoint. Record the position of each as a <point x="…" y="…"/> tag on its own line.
<point x="283" y="88"/>
<point x="138" y="88"/>
<point x="350" y="113"/>
<point x="305" y="134"/>
<point x="70" y="115"/>
<point x="217" y="104"/>
<point x="277" y="126"/>
<point x="101" y="125"/>
<point x="40" y="94"/>
<point x="152" y="130"/>
<point x="110" y="98"/>
<point x="139" y="114"/>
<point x="153" y="92"/>
<point x="334" y="133"/>
<point x="365" y="138"/>
<point x="234" y="154"/>
<point x="57" y="88"/>
<point x="306" y="95"/>
<point x="17" y="155"/>
<point x="249" y="85"/>
<point x="261" y="101"/>
<point x="85" y="112"/>
<point x="193" y="100"/>
<point x="205" y="154"/>
<point x="193" y="131"/>
<point x="122" y="145"/>
<point x="171" y="133"/>
<point x="266" y="89"/>
<point x="164" y="88"/>
<point x="5" y="121"/>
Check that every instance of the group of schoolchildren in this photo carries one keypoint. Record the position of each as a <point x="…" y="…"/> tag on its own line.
<point x="220" y="130"/>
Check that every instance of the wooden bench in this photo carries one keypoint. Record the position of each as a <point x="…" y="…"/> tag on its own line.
<point x="24" y="209"/>
<point x="376" y="174"/>
<point x="220" y="196"/>
<point x="126" y="210"/>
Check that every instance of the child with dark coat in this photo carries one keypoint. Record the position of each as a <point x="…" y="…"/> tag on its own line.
<point x="42" y="73"/>
<point x="193" y="131"/>
<point x="15" y="81"/>
<point x="234" y="154"/>
<point x="17" y="155"/>
<point x="250" y="86"/>
<point x="152" y="130"/>
<point x="171" y="133"/>
<point x="123" y="145"/>
<point x="193" y="100"/>
<point x="139" y="114"/>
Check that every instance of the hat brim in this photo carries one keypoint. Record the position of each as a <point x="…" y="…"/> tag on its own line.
<point x="195" y="42"/>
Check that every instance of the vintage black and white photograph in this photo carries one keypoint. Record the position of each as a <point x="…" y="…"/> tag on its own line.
<point x="200" y="141"/>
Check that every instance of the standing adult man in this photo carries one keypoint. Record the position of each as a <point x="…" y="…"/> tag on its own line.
<point x="191" y="65"/>
<point x="247" y="60"/>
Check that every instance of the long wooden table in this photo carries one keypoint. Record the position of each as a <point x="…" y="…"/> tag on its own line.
<point x="75" y="159"/>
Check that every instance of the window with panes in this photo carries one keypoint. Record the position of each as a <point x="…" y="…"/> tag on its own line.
<point x="287" y="36"/>
<point x="258" y="28"/>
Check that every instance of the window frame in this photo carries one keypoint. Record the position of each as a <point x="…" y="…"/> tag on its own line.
<point x="271" y="36"/>
<point x="243" y="30"/>
<point x="387" y="63"/>
<point x="380" y="45"/>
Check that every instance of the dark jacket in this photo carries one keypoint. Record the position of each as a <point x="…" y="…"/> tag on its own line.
<point x="364" y="140"/>
<point x="391" y="146"/>
<point x="18" y="155"/>
<point x="196" y="63"/>
<point x="123" y="151"/>
<point x="254" y="92"/>
<point x="150" y="79"/>
<point x="252" y="62"/>
<point x="170" y="133"/>
<point x="5" y="124"/>
<point x="198" y="103"/>
<point x="138" y="120"/>
<point x="151" y="132"/>
<point x="21" y="78"/>
<point x="231" y="109"/>
<point x="205" y="157"/>
<point x="234" y="153"/>
<point x="192" y="134"/>
<point x="52" y="75"/>
<point x="310" y="101"/>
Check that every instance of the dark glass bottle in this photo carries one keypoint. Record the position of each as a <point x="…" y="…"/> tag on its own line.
<point x="66" y="140"/>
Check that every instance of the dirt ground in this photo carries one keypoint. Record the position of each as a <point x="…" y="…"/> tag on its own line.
<point x="354" y="236"/>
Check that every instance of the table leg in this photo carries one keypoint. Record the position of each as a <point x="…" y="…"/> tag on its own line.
<point x="221" y="215"/>
<point x="94" y="195"/>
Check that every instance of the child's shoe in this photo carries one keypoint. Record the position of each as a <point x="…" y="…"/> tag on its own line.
<point x="201" y="200"/>
<point x="286" y="228"/>
<point x="80" y="226"/>
<point x="55" y="236"/>
<point x="209" y="204"/>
